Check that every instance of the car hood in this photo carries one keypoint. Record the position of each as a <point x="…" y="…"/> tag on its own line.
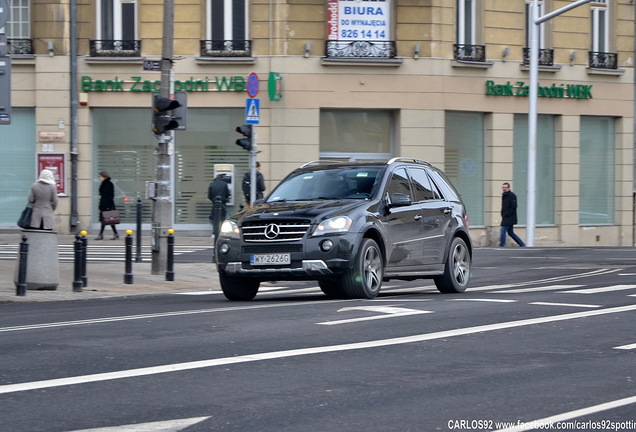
<point x="314" y="210"/>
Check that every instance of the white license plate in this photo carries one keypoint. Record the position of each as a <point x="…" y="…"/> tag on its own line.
<point x="270" y="259"/>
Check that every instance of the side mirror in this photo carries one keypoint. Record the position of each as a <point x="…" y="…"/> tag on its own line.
<point x="398" y="200"/>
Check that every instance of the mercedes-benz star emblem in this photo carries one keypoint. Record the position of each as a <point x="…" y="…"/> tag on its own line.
<point x="272" y="231"/>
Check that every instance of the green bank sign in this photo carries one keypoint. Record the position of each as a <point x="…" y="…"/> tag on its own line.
<point x="138" y="84"/>
<point x="520" y="88"/>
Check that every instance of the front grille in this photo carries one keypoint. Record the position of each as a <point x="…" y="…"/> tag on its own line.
<point x="273" y="248"/>
<point x="275" y="231"/>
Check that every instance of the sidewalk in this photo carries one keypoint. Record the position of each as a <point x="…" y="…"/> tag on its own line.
<point x="106" y="279"/>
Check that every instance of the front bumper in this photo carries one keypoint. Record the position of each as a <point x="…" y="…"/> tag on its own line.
<point x="308" y="268"/>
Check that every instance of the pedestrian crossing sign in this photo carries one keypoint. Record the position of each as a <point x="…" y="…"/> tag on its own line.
<point x="252" y="111"/>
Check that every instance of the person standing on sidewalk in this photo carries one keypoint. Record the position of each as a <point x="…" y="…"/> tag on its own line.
<point x="106" y="202"/>
<point x="508" y="216"/>
<point x="260" y="185"/>
<point x="43" y="195"/>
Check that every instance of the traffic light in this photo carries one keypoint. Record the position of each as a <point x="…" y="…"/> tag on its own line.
<point x="246" y="131"/>
<point x="162" y="119"/>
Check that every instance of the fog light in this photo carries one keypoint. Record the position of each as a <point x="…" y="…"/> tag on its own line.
<point x="224" y="248"/>
<point x="326" y="245"/>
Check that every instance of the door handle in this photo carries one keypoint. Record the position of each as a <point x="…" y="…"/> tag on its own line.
<point x="417" y="217"/>
<point x="447" y="211"/>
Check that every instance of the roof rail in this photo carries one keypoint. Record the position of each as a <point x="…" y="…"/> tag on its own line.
<point x="406" y="159"/>
<point x="316" y="162"/>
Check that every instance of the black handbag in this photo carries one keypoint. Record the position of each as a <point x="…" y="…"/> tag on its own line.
<point x="110" y="217"/>
<point x="25" y="217"/>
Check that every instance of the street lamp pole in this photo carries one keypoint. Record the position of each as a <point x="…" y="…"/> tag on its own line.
<point x="532" y="109"/>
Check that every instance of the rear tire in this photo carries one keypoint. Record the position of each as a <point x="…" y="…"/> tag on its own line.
<point x="364" y="280"/>
<point x="456" y="270"/>
<point x="238" y="289"/>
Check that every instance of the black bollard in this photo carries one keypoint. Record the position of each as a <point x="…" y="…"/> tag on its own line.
<point x="77" y="273"/>
<point x="83" y="275"/>
<point x="20" y="289"/>
<point x="139" y="213"/>
<point x="170" y="266"/>
<point x="128" y="276"/>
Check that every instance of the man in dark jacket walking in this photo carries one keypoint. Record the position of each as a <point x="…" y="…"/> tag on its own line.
<point x="219" y="194"/>
<point x="508" y="216"/>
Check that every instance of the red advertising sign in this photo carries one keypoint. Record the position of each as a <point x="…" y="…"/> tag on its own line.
<point x="56" y="162"/>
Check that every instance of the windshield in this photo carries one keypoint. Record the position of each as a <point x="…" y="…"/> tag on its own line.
<point x="334" y="183"/>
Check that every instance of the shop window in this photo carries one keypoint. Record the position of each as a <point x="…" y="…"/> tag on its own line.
<point x="596" y="171"/>
<point x="545" y="168"/>
<point x="127" y="152"/>
<point x="346" y="134"/>
<point x="464" y="159"/>
<point x="16" y="164"/>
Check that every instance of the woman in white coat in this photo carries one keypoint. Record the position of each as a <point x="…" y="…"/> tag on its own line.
<point x="43" y="195"/>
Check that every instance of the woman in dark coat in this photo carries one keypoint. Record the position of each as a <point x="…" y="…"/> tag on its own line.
<point x="43" y="195"/>
<point x="106" y="202"/>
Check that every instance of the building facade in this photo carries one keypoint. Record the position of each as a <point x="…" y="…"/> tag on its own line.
<point x="445" y="81"/>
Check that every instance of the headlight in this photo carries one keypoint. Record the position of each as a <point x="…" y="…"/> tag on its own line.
<point x="340" y="224"/>
<point x="230" y="227"/>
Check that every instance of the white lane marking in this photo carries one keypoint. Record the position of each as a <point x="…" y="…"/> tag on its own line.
<point x="389" y="311"/>
<point x="175" y="367"/>
<point x="160" y="426"/>
<point x="544" y="288"/>
<point x="547" y="280"/>
<point x="626" y="347"/>
<point x="602" y="289"/>
<point x="485" y="300"/>
<point x="533" y="424"/>
<point x="159" y="315"/>
<point x="565" y="304"/>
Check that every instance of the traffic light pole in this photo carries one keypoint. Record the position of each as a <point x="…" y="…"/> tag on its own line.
<point x="162" y="204"/>
<point x="253" y="178"/>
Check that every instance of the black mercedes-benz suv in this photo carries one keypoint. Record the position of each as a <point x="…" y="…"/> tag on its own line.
<point x="350" y="226"/>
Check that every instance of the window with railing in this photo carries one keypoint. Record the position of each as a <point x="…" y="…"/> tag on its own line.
<point x="546" y="57"/>
<point x="18" y="28"/>
<point x="466" y="48"/>
<point x="226" y="29"/>
<point x="599" y="55"/>
<point x="116" y="30"/>
<point x="359" y="29"/>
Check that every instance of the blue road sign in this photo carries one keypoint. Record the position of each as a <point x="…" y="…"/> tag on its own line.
<point x="252" y="111"/>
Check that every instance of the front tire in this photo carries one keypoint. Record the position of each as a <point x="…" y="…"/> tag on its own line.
<point x="364" y="280"/>
<point x="456" y="270"/>
<point x="238" y="289"/>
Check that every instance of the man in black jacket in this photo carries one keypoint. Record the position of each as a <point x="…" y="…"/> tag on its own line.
<point x="508" y="216"/>
<point x="219" y="194"/>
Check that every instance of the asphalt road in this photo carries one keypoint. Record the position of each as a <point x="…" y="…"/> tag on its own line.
<point x="543" y="336"/>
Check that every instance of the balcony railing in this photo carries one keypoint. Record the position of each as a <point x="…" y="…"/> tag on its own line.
<point x="360" y="49"/>
<point x="115" y="48"/>
<point x="19" y="46"/>
<point x="603" y="60"/>
<point x="226" y="48"/>
<point x="474" y="53"/>
<point x="546" y="57"/>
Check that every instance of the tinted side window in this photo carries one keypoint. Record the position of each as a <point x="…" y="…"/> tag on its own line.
<point x="448" y="190"/>
<point x="399" y="183"/>
<point x="421" y="185"/>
